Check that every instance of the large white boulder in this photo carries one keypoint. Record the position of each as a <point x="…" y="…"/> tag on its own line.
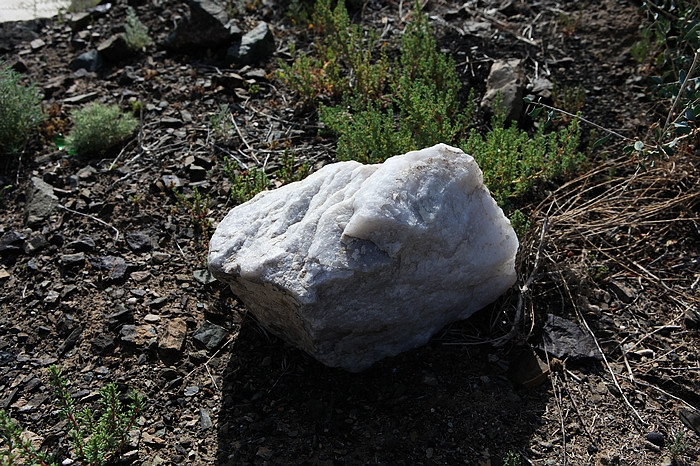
<point x="360" y="262"/>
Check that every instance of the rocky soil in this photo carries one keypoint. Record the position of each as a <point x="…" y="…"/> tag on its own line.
<point x="111" y="283"/>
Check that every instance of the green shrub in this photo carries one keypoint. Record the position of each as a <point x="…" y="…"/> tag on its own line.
<point x="96" y="440"/>
<point x="20" y="108"/>
<point x="98" y="127"/>
<point x="514" y="162"/>
<point x="416" y="105"/>
<point x="135" y="32"/>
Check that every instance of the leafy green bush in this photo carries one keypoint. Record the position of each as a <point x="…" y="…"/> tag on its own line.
<point x="245" y="184"/>
<point x="420" y="109"/>
<point x="135" y="32"/>
<point x="99" y="127"/>
<point x="514" y="162"/>
<point x="20" y="108"/>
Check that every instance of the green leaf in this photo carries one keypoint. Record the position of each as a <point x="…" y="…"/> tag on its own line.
<point x="602" y="141"/>
<point x="535" y="112"/>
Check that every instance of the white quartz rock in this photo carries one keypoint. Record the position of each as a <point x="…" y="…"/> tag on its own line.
<point x="360" y="262"/>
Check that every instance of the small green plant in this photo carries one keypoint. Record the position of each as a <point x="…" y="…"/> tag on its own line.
<point x="20" y="107"/>
<point x="135" y="32"/>
<point x="245" y="184"/>
<point x="679" y="446"/>
<point x="15" y="448"/>
<point x="291" y="171"/>
<point x="220" y="122"/>
<point x="99" y="127"/>
<point x="197" y="206"/>
<point x="96" y="440"/>
<point x="512" y="459"/>
<point x="570" y="99"/>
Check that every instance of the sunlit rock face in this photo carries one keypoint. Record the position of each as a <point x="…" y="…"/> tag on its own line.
<point x="360" y="262"/>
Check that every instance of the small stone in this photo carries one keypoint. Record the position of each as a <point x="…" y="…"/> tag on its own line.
<point x="255" y="46"/>
<point x="139" y="335"/>
<point x="160" y="258"/>
<point x="37" y="44"/>
<point x="113" y="266"/>
<point x="35" y="243"/>
<point x="191" y="390"/>
<point x="88" y="61"/>
<point x="41" y="201"/>
<point x="691" y="318"/>
<point x="70" y="261"/>
<point x="156" y="303"/>
<point x="506" y="80"/>
<point x="656" y="438"/>
<point x="115" y="48"/>
<point x="204" y="277"/>
<point x="205" y="418"/>
<point x="210" y="335"/>
<point x="565" y="339"/>
<point x="103" y="344"/>
<point x="82" y="244"/>
<point x="172" y="341"/>
<point x="623" y="292"/>
<point x="140" y="276"/>
<point x="151" y="318"/>
<point x="11" y="241"/>
<point x="139" y="242"/>
<point x="171" y="181"/>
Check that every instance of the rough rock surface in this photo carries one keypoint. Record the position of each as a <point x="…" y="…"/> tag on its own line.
<point x="360" y="262"/>
<point x="506" y="80"/>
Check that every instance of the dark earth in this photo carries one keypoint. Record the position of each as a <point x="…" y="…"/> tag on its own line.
<point x="111" y="285"/>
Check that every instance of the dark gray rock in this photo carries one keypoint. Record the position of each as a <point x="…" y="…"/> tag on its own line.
<point x="35" y="243"/>
<point x="656" y="438"/>
<point x="70" y="261"/>
<point x="565" y="339"/>
<point x="138" y="335"/>
<point x="41" y="201"/>
<point x="114" y="267"/>
<point x="82" y="244"/>
<point x="207" y="26"/>
<point x="156" y="303"/>
<point x="139" y="241"/>
<point x="255" y="46"/>
<point x="210" y="335"/>
<point x="115" y="49"/>
<point x="204" y="277"/>
<point x="103" y="344"/>
<point x="506" y="80"/>
<point x="12" y="241"/>
<point x="88" y="61"/>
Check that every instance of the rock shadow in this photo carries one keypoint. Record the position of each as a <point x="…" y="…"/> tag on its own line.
<point x="440" y="403"/>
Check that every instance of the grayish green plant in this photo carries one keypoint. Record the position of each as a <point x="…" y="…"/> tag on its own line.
<point x="98" y="127"/>
<point x="20" y="107"/>
<point x="135" y="32"/>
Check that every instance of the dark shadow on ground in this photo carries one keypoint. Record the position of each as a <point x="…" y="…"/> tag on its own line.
<point x="439" y="404"/>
